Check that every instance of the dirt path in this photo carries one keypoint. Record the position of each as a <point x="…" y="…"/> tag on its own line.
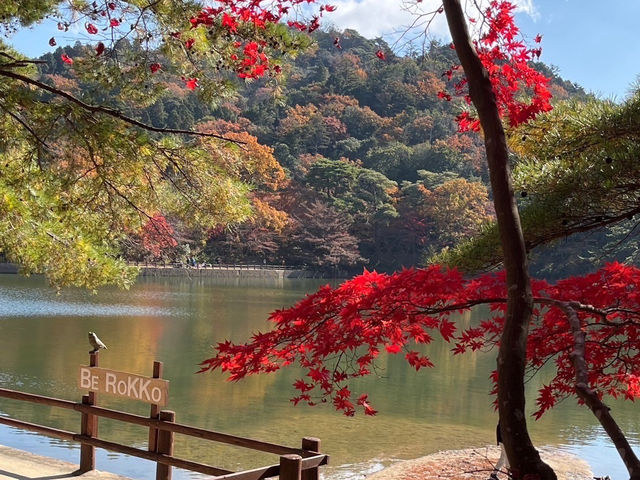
<point x="20" y="465"/>
<point x="477" y="464"/>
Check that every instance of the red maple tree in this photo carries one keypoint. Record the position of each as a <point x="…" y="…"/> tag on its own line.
<point x="336" y="334"/>
<point x="157" y="235"/>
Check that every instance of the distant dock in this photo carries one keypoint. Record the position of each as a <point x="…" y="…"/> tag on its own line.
<point x="229" y="271"/>
<point x="216" y="271"/>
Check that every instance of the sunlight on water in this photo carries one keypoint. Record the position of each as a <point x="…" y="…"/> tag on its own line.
<point x="43" y="342"/>
<point x="22" y="302"/>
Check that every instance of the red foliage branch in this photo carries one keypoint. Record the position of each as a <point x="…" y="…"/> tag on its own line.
<point x="336" y="334"/>
<point x="521" y="91"/>
<point x="244" y="23"/>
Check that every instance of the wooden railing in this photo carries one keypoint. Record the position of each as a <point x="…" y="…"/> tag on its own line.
<point x="218" y="266"/>
<point x="294" y="463"/>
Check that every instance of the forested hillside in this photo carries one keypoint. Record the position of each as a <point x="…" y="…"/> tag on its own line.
<point x="375" y="173"/>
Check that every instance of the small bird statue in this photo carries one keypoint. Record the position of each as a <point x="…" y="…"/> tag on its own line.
<point x="96" y="343"/>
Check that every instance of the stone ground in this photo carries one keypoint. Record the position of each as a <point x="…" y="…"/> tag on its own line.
<point x="19" y="465"/>
<point x="477" y="464"/>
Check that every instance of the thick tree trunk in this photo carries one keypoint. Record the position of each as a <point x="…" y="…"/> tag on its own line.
<point x="523" y="457"/>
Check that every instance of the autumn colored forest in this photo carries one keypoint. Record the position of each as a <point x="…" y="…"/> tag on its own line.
<point x="371" y="168"/>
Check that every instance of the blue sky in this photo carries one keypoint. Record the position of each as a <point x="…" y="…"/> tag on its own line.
<point x="591" y="43"/>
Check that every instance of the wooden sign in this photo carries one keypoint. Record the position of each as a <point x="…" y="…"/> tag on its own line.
<point x="128" y="385"/>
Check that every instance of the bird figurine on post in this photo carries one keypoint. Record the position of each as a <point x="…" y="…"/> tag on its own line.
<point x="96" y="343"/>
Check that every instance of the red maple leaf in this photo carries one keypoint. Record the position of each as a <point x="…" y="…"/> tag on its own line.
<point x="191" y="83"/>
<point x="368" y="410"/>
<point x="229" y="22"/>
<point x="393" y="348"/>
<point x="66" y="59"/>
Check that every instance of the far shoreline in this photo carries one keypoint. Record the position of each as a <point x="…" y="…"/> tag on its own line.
<point x="240" y="271"/>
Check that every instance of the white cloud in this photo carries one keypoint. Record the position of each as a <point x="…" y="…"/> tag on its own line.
<point x="383" y="18"/>
<point x="527" y="6"/>
<point x="377" y="18"/>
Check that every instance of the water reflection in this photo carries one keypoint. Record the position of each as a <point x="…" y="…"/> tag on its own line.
<point x="24" y="301"/>
<point x="176" y="321"/>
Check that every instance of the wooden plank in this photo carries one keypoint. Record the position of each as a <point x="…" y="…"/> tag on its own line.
<point x="52" y="432"/>
<point x="315" y="461"/>
<point x="40" y="399"/>
<point x="255" y="474"/>
<point x="122" y="384"/>
<point x="155" y="457"/>
<point x="233" y="440"/>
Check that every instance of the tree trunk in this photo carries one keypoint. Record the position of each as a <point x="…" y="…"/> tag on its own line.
<point x="523" y="457"/>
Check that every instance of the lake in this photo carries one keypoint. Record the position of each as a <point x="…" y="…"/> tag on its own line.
<point x="43" y="342"/>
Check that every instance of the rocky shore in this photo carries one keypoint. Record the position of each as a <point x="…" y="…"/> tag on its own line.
<point x="477" y="464"/>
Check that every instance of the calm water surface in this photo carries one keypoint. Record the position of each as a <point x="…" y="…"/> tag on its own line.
<point x="43" y="341"/>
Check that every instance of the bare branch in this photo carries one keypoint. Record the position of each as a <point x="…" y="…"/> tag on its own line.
<point x="589" y="396"/>
<point x="25" y="126"/>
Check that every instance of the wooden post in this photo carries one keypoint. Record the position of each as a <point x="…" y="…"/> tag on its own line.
<point x="155" y="411"/>
<point x="165" y="445"/>
<point x="89" y="425"/>
<point x="87" y="452"/>
<point x="290" y="467"/>
<point x="94" y="361"/>
<point x="311" y="444"/>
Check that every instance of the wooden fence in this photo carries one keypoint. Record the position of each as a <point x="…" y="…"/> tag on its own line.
<point x="294" y="463"/>
<point x="217" y="266"/>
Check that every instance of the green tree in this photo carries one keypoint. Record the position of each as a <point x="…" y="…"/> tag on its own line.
<point x="332" y="178"/>
<point x="394" y="161"/>
<point x="576" y="171"/>
<point x="81" y="172"/>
